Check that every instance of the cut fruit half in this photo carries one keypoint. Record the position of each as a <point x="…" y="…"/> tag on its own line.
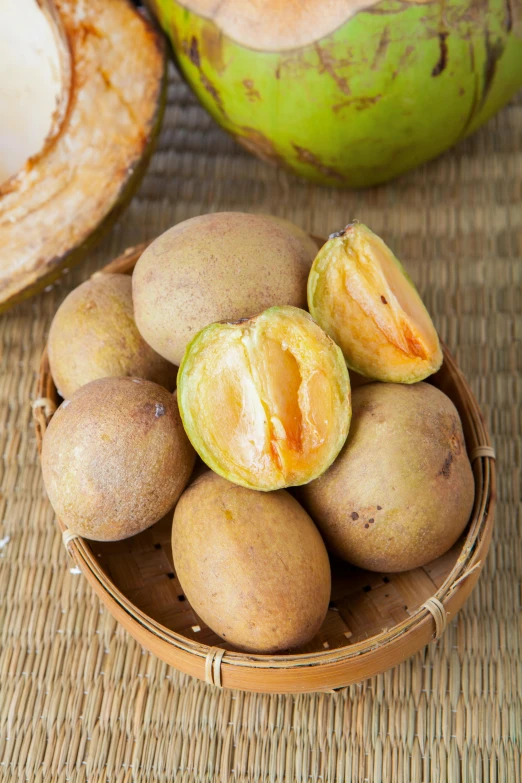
<point x="78" y="116"/>
<point x="265" y="401"/>
<point x="272" y="25"/>
<point x="360" y="294"/>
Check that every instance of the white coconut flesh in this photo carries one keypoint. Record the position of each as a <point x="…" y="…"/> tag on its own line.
<point x="31" y="82"/>
<point x="277" y="25"/>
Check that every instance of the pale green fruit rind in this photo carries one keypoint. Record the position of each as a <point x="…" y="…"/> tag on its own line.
<point x="184" y="393"/>
<point x="217" y="463"/>
<point x="395" y="85"/>
<point x="330" y="252"/>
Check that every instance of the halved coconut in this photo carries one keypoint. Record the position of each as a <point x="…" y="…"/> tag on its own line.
<point x="78" y="114"/>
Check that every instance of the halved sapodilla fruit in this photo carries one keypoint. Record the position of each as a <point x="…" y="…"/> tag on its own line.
<point x="79" y="111"/>
<point x="265" y="401"/>
<point x="363" y="298"/>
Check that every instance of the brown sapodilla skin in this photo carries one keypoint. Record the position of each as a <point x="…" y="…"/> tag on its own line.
<point x="94" y="335"/>
<point x="115" y="458"/>
<point x="252" y="564"/>
<point x="222" y="266"/>
<point x="296" y="231"/>
<point x="401" y="491"/>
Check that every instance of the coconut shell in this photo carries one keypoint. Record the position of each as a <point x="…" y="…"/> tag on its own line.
<point x="348" y="93"/>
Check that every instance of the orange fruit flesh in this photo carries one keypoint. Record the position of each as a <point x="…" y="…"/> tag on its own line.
<point x="401" y="289"/>
<point x="266" y="402"/>
<point x="274" y="416"/>
<point x="362" y="297"/>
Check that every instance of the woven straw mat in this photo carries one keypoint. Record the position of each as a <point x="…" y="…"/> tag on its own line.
<point x="81" y="701"/>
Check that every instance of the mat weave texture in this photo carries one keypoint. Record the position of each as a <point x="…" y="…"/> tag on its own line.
<point x="81" y="701"/>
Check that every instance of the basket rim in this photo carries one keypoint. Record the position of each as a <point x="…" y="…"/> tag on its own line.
<point x="470" y="560"/>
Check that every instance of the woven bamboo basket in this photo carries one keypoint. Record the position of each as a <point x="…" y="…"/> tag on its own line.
<point x="374" y="621"/>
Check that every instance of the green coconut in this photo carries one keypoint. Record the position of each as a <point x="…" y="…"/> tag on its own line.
<point x="351" y="92"/>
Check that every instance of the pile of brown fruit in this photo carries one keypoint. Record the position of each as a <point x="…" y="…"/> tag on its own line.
<point x="263" y="396"/>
